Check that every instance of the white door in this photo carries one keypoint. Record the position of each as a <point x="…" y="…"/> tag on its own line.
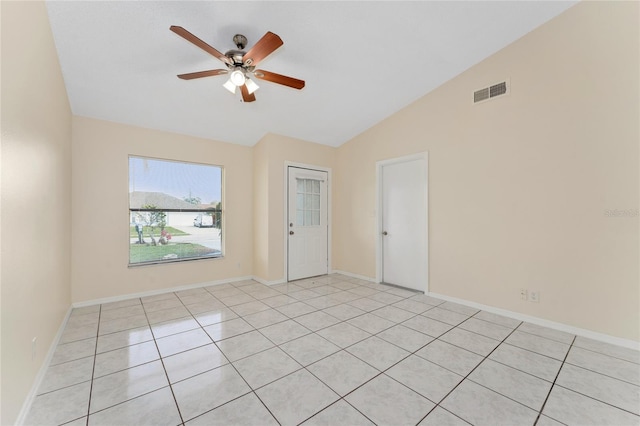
<point x="307" y="243"/>
<point x="403" y="208"/>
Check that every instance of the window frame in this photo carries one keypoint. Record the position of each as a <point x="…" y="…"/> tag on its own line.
<point x="220" y="211"/>
<point x="311" y="196"/>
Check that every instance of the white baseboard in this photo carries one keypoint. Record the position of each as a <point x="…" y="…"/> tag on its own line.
<point x="155" y="292"/>
<point x="31" y="396"/>
<point x="265" y="282"/>
<point x="631" y="344"/>
<point x="334" y="271"/>
<point x="349" y="274"/>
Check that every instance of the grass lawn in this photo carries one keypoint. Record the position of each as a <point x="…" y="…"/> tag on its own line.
<point x="142" y="253"/>
<point x="156" y="231"/>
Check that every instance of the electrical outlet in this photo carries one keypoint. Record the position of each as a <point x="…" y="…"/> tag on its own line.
<point x="534" y="296"/>
<point x="33" y="348"/>
<point x="524" y="294"/>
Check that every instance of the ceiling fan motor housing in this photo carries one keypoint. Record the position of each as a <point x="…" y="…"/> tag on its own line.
<point x="235" y="56"/>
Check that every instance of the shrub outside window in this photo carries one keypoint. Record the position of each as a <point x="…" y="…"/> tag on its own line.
<point x="175" y="211"/>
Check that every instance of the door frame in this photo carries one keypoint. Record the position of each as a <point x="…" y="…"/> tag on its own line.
<point x="285" y="216"/>
<point x="379" y="165"/>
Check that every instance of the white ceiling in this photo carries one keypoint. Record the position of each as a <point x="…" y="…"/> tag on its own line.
<point x="362" y="61"/>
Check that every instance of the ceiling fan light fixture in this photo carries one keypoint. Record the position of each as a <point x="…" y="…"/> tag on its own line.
<point x="251" y="86"/>
<point x="230" y="86"/>
<point x="237" y="77"/>
<point x="240" y="64"/>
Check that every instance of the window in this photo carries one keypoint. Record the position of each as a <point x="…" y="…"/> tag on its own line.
<point x="307" y="202"/>
<point x="175" y="211"/>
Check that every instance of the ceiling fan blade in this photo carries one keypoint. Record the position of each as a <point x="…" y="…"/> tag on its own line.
<point x="263" y="48"/>
<point x="246" y="96"/>
<point x="279" y="78"/>
<point x="200" y="74"/>
<point x="201" y="44"/>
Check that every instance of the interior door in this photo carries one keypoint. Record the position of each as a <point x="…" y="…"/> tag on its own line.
<point x="404" y="222"/>
<point x="307" y="242"/>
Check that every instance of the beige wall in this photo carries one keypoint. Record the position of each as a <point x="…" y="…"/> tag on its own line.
<point x="518" y="186"/>
<point x="270" y="155"/>
<point x="261" y="209"/>
<point x="100" y="209"/>
<point x="36" y="198"/>
<point x="253" y="177"/>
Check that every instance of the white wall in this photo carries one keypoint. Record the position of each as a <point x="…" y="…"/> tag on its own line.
<point x="36" y="198"/>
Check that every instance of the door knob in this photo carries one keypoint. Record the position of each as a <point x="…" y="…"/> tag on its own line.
<point x="384" y="232"/>
<point x="291" y="232"/>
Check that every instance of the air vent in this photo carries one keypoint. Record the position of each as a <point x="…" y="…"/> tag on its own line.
<point x="481" y="95"/>
<point x="498" y="89"/>
<point x="491" y="92"/>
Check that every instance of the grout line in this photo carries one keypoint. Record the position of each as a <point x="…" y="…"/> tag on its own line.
<point x="251" y="390"/>
<point x="241" y="376"/>
<point x="65" y="387"/>
<point x="162" y="363"/>
<point x="331" y="405"/>
<point x="554" y="383"/>
<point x="602" y="374"/>
<point x="610" y="356"/>
<point x="450" y="412"/>
<point x="265" y="405"/>
<point x="596" y="399"/>
<point x="379" y="372"/>
<point x="235" y="399"/>
<point x="473" y="369"/>
<point x="544" y="337"/>
<point x="356" y="408"/>
<point x="523" y="371"/>
<point x="312" y="332"/>
<point x="580" y="393"/>
<point x="130" y="399"/>
<point x="223" y="354"/>
<point x="93" y="370"/>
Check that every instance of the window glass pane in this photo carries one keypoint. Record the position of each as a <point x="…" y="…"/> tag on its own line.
<point x="307" y="218"/>
<point x="300" y="201"/>
<point x="300" y="183"/>
<point x="315" y="202"/>
<point x="309" y="185"/>
<point x="307" y="201"/>
<point x="316" y="218"/>
<point x="316" y="186"/>
<point x="175" y="210"/>
<point x="300" y="217"/>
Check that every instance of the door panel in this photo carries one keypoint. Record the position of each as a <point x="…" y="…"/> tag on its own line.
<point x="307" y="219"/>
<point x="404" y="220"/>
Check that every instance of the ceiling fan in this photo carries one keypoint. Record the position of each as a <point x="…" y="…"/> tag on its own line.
<point x="240" y="64"/>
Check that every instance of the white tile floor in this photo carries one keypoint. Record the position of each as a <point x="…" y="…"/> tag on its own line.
<point x="331" y="350"/>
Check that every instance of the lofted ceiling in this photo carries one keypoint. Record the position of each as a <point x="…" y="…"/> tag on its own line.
<point x="362" y="60"/>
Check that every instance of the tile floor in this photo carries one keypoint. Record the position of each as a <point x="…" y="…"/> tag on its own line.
<point x="332" y="350"/>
